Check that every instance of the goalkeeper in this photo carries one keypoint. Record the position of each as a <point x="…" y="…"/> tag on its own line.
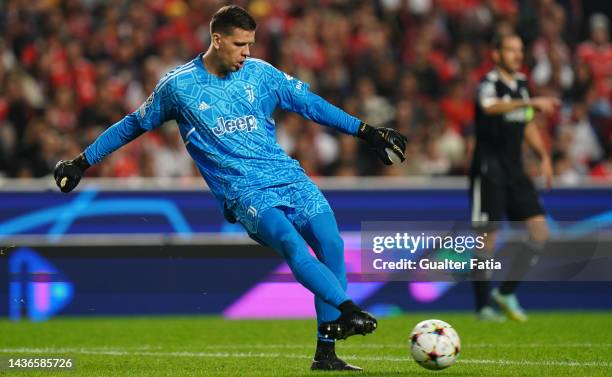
<point x="223" y="102"/>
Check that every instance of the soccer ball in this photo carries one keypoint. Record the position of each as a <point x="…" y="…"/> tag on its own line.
<point x="434" y="344"/>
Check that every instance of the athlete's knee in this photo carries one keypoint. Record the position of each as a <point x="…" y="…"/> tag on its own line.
<point x="538" y="230"/>
<point x="489" y="241"/>
<point x="333" y="246"/>
<point x="292" y="247"/>
<point x="541" y="236"/>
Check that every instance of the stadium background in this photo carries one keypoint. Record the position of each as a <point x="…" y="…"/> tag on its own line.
<point x="147" y="238"/>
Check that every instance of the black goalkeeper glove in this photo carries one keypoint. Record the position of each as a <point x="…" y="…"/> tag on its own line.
<point x="67" y="174"/>
<point x="388" y="144"/>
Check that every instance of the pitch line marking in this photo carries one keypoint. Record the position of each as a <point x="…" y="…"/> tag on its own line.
<point x="121" y="352"/>
<point x="400" y="345"/>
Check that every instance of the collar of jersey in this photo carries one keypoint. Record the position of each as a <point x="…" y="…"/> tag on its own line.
<point x="204" y="75"/>
<point x="513" y="85"/>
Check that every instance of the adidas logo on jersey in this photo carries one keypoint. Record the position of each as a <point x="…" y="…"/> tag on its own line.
<point x="246" y="123"/>
<point x="203" y="106"/>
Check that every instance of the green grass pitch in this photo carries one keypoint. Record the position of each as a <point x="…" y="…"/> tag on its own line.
<point x="550" y="344"/>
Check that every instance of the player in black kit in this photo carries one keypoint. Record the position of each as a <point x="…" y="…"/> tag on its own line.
<point x="498" y="184"/>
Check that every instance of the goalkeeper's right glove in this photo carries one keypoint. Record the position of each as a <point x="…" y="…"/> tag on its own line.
<point x="389" y="144"/>
<point x="67" y="174"/>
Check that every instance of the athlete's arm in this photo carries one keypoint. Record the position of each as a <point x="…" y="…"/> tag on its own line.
<point x="116" y="136"/>
<point x="315" y="108"/>
<point x="534" y="140"/>
<point x="156" y="110"/>
<point x="496" y="106"/>
<point x="383" y="141"/>
<point x="491" y="104"/>
<point x="293" y="95"/>
<point x="67" y="174"/>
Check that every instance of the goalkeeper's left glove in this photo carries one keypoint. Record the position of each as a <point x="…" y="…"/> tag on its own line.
<point x="389" y="144"/>
<point x="67" y="174"/>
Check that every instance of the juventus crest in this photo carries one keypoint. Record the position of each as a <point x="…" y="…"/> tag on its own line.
<point x="250" y="93"/>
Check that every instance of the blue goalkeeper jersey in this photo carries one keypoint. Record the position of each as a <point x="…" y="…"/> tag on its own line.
<point x="226" y="123"/>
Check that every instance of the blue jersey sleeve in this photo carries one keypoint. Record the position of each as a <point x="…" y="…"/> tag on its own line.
<point x="156" y="110"/>
<point x="116" y="136"/>
<point x="319" y="110"/>
<point x="294" y="95"/>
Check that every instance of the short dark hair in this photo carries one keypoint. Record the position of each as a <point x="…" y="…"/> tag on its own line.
<point x="229" y="17"/>
<point x="499" y="38"/>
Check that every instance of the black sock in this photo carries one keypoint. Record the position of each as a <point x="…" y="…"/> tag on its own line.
<point x="481" y="293"/>
<point x="508" y="287"/>
<point x="524" y="260"/>
<point x="348" y="307"/>
<point x="481" y="280"/>
<point x="325" y="350"/>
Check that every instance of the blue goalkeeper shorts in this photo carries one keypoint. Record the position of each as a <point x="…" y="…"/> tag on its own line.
<point x="301" y="201"/>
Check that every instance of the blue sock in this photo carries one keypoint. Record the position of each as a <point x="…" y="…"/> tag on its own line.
<point x="322" y="234"/>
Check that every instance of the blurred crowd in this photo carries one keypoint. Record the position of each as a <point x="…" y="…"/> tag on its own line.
<point x="71" y="68"/>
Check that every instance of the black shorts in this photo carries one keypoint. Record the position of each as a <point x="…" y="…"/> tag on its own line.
<point x="494" y="196"/>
